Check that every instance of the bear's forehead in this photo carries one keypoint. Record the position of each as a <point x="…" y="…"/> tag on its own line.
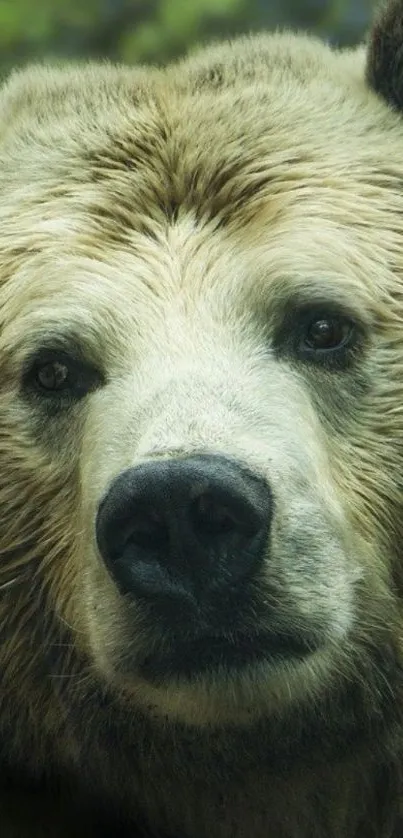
<point x="263" y="119"/>
<point x="218" y="161"/>
<point x="272" y="144"/>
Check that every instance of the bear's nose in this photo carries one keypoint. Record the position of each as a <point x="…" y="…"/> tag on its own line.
<point x="184" y="527"/>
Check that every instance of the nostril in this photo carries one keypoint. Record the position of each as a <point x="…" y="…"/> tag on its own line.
<point x="211" y="518"/>
<point x="148" y="529"/>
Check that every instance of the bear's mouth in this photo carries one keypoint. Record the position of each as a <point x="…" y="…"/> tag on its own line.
<point x="223" y="654"/>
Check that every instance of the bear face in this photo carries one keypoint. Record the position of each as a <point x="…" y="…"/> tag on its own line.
<point x="201" y="433"/>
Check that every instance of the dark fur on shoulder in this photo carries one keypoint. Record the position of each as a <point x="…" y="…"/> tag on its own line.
<point x="385" y="53"/>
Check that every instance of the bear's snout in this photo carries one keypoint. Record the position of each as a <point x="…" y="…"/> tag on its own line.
<point x="184" y="529"/>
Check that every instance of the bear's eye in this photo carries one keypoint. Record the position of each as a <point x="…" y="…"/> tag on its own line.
<point x="59" y="378"/>
<point x="53" y="376"/>
<point x="319" y="335"/>
<point x="326" y="333"/>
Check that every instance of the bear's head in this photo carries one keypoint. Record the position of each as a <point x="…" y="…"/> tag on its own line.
<point x="201" y="380"/>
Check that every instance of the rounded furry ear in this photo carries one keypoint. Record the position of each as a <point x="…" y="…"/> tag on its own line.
<point x="385" y="53"/>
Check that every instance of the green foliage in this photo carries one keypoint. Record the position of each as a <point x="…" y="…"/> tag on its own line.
<point x="156" y="30"/>
<point x="177" y="23"/>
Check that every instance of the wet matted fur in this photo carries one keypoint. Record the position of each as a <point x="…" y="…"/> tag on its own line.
<point x="167" y="240"/>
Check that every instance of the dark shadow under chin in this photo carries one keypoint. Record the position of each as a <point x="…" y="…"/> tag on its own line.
<point x="361" y="708"/>
<point x="222" y="654"/>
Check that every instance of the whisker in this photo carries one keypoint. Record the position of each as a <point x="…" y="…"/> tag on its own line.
<point x="75" y="630"/>
<point x="9" y="583"/>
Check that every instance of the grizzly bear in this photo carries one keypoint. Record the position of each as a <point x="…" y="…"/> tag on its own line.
<point x="201" y="444"/>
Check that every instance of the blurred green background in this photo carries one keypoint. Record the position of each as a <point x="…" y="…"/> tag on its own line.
<point x="156" y="30"/>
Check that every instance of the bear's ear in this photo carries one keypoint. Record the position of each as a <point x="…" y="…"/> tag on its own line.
<point x="385" y="53"/>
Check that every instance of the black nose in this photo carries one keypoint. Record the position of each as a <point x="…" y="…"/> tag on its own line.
<point x="190" y="527"/>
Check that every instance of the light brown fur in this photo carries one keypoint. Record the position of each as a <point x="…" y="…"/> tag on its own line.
<point x="162" y="220"/>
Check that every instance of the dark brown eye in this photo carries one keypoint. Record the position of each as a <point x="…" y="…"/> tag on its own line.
<point x="327" y="333"/>
<point x="59" y="379"/>
<point x="53" y="376"/>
